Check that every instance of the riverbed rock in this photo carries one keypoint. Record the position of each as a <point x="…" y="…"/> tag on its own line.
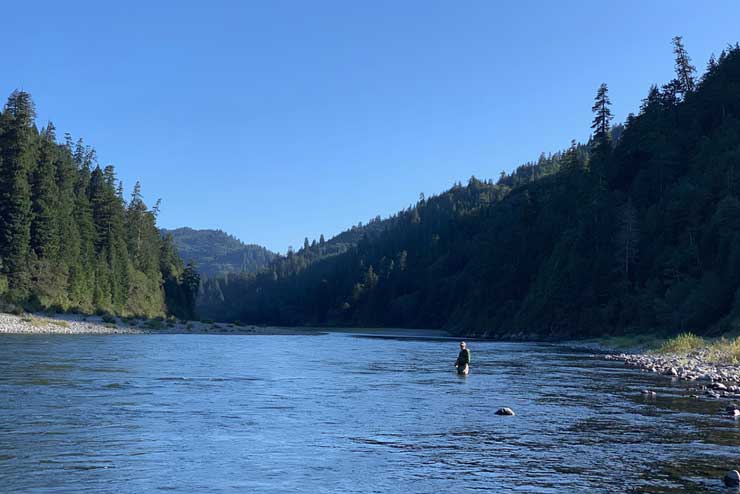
<point x="732" y="478"/>
<point x="505" y="411"/>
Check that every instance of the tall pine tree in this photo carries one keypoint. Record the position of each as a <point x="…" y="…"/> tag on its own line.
<point x="17" y="161"/>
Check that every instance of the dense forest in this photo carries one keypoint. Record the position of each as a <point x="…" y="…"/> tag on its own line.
<point x="217" y="253"/>
<point x="69" y="240"/>
<point x="637" y="229"/>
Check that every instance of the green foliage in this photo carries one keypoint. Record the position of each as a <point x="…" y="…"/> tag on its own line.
<point x="216" y="253"/>
<point x="108" y="318"/>
<point x="644" y="236"/>
<point x="682" y="344"/>
<point x="154" y="324"/>
<point x="721" y="350"/>
<point x="68" y="240"/>
<point x="18" y="137"/>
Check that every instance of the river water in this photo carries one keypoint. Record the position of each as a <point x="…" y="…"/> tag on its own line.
<point x="341" y="413"/>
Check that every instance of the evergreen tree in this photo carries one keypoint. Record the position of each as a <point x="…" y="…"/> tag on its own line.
<point x="191" y="285"/>
<point x="66" y="231"/>
<point x="17" y="161"/>
<point x="45" y="196"/>
<point x="684" y="70"/>
<point x="601" y="126"/>
<point x="602" y="118"/>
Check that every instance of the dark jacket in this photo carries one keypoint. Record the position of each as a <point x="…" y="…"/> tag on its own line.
<point x="463" y="358"/>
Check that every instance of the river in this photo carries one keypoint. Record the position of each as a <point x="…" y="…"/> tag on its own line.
<point x="343" y="413"/>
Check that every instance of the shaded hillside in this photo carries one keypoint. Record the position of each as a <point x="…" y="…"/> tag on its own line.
<point x="639" y="232"/>
<point x="215" y="252"/>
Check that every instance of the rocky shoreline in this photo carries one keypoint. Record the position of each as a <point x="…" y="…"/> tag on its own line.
<point x="76" y="324"/>
<point x="712" y="379"/>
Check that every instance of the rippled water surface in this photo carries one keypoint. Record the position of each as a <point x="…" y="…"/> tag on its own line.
<point x="341" y="413"/>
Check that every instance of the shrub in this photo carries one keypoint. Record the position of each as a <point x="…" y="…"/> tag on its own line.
<point x="683" y="343"/>
<point x="107" y="318"/>
<point x="154" y="324"/>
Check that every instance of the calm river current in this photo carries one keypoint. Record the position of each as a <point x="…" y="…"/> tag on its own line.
<point x="341" y="413"/>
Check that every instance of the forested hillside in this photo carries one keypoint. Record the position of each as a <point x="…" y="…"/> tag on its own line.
<point x="638" y="229"/>
<point x="68" y="238"/>
<point x="216" y="253"/>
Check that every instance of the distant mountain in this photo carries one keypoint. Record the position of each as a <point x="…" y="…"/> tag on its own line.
<point x="216" y="253"/>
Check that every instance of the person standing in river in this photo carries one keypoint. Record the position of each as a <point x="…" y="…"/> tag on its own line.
<point x="462" y="364"/>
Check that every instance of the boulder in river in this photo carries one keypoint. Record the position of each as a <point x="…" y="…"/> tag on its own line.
<point x="732" y="478"/>
<point x="505" y="411"/>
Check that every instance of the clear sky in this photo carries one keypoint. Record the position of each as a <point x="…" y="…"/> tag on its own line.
<point x="278" y="120"/>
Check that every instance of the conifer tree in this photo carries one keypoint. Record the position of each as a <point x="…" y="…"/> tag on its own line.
<point x="17" y="161"/>
<point x="601" y="126"/>
<point x="684" y="70"/>
<point x="602" y="116"/>
<point x="68" y="229"/>
<point x="82" y="272"/>
<point x="45" y="195"/>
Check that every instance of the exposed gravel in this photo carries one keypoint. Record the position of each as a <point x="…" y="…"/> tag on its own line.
<point x="79" y="324"/>
<point x="714" y="380"/>
<point x="38" y="324"/>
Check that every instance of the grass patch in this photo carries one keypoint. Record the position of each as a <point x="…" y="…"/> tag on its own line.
<point x="682" y="344"/>
<point x="57" y="322"/>
<point x="40" y="322"/>
<point x="719" y="351"/>
<point x="724" y="351"/>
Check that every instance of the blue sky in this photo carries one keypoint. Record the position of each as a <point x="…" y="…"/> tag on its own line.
<point x="279" y="120"/>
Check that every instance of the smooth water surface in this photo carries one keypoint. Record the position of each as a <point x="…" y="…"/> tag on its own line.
<point x="340" y="413"/>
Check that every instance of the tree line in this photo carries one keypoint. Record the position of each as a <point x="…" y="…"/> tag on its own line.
<point x="69" y="240"/>
<point x="637" y="229"/>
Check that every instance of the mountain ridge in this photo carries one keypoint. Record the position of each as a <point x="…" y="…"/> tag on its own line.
<point x="216" y="252"/>
<point x="630" y="232"/>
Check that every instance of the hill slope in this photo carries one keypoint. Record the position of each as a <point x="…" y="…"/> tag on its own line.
<point x="640" y="233"/>
<point x="215" y="252"/>
<point x="68" y="238"/>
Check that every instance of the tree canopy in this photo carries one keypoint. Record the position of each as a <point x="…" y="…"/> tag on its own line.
<point x="639" y="229"/>
<point x="68" y="239"/>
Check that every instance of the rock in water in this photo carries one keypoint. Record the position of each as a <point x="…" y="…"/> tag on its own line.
<point x="732" y="478"/>
<point x="505" y="411"/>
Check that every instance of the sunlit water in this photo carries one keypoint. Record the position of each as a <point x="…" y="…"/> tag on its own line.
<point x="340" y="413"/>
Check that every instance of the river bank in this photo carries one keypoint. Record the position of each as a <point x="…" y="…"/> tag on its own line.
<point x="72" y="324"/>
<point x="713" y="379"/>
<point x="711" y="368"/>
